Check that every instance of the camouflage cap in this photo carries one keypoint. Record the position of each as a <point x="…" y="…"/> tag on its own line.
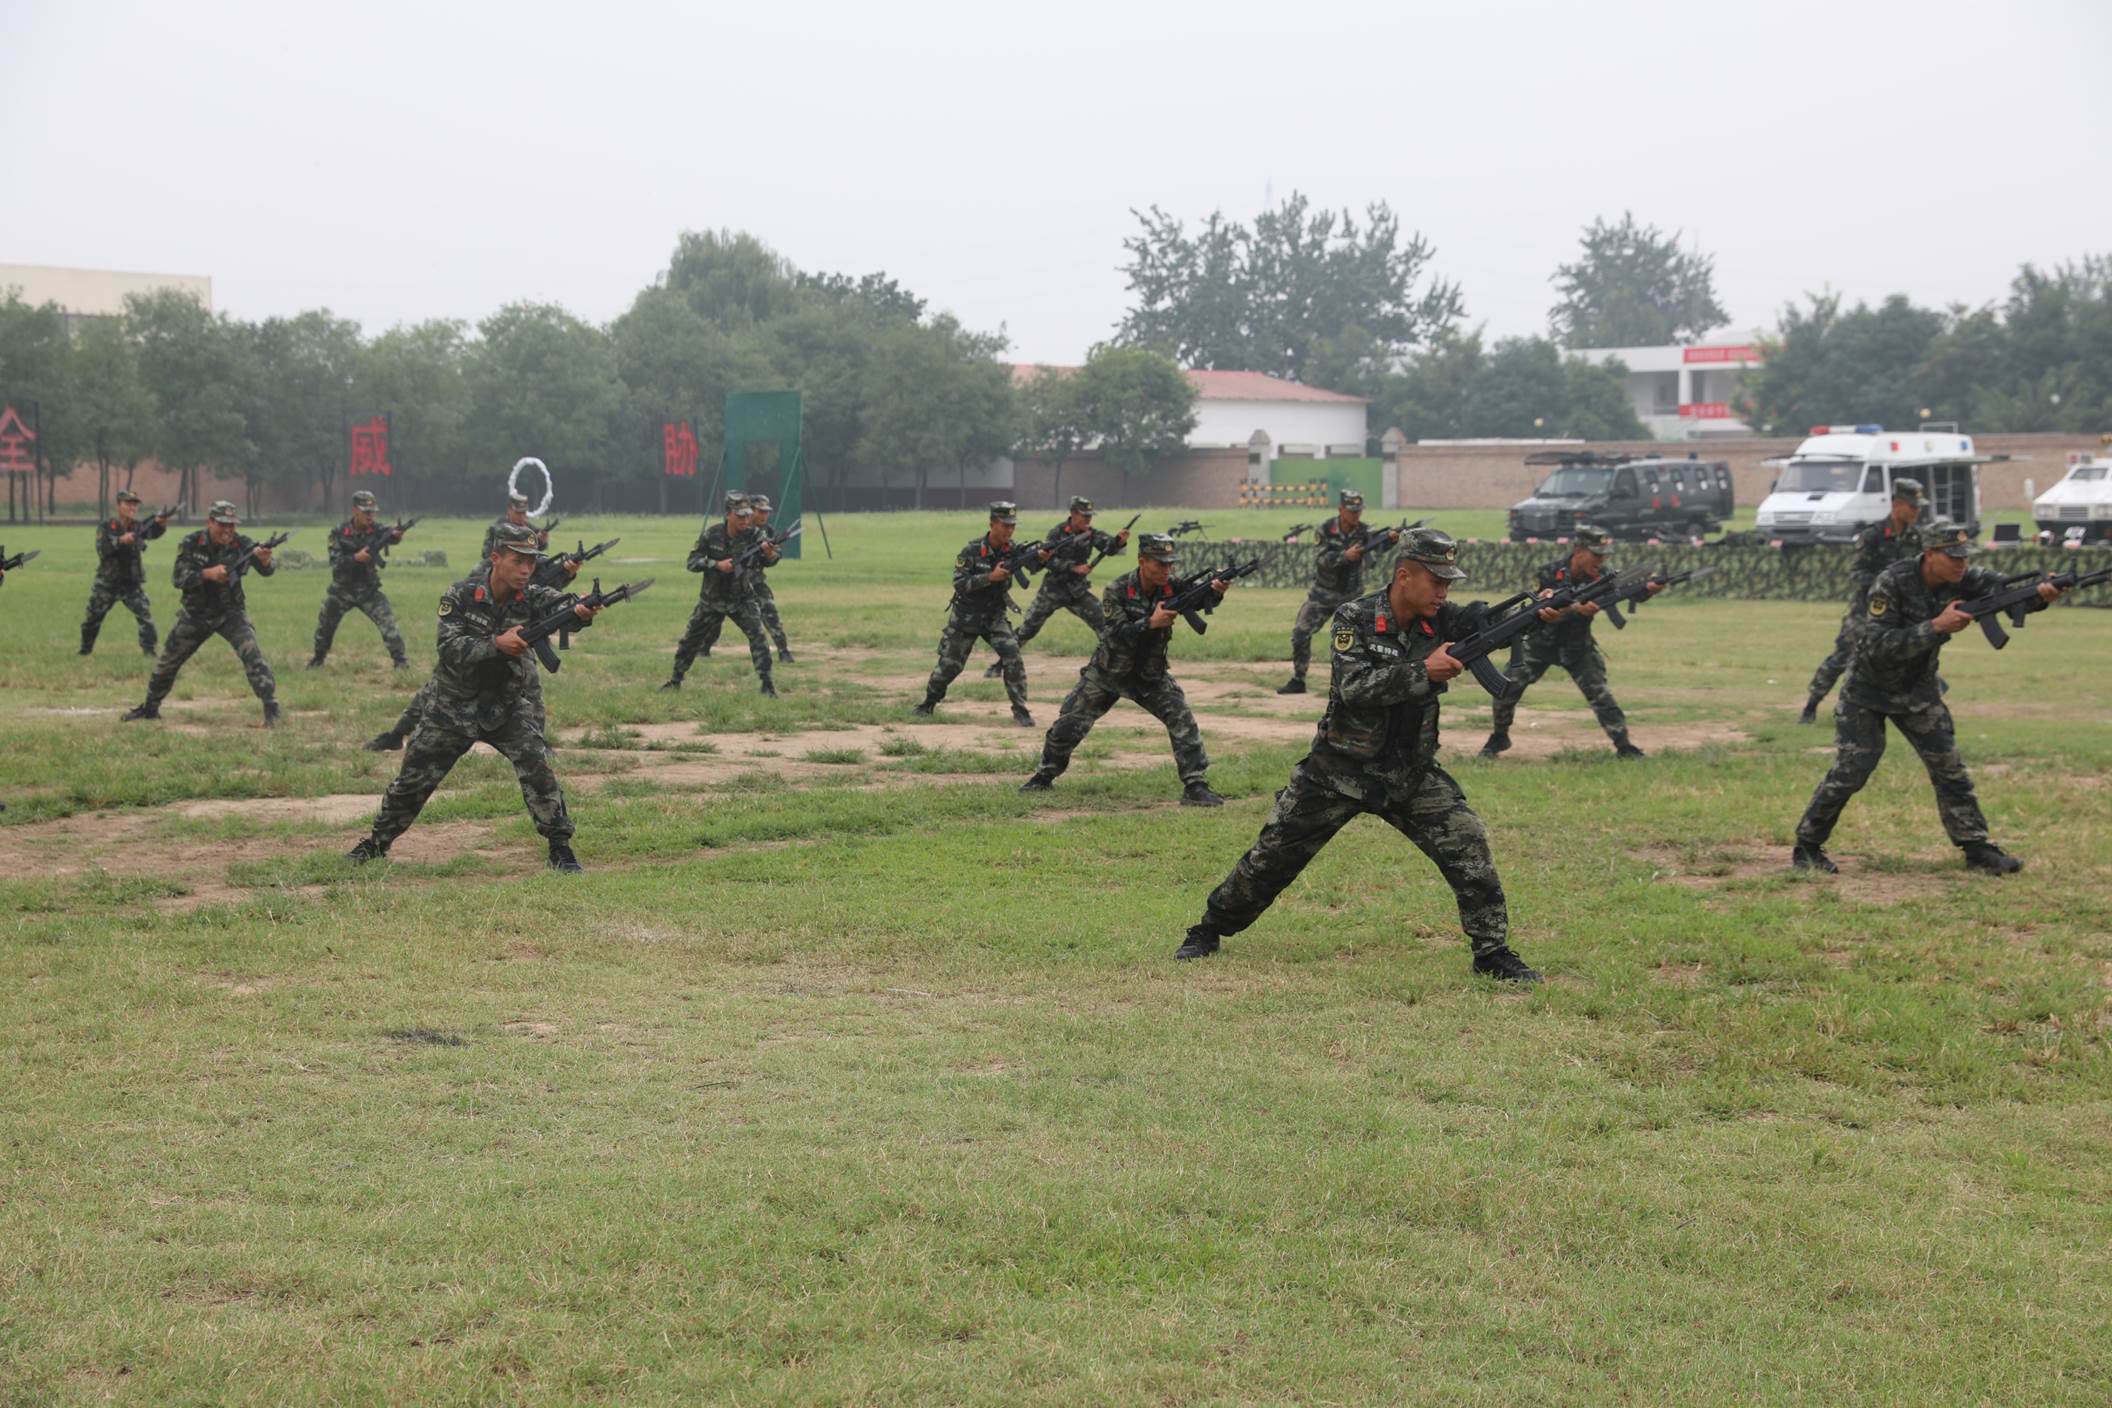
<point x="1950" y="539"/>
<point x="1908" y="489"/>
<point x="126" y="496"/>
<point x="1351" y="499"/>
<point x="1081" y="504"/>
<point x="1596" y="541"/>
<point x="1159" y="547"/>
<point x="735" y="501"/>
<point x="222" y="511"/>
<point x="1004" y="512"/>
<point x="759" y="502"/>
<point x="1434" y="548"/>
<point x="365" y="499"/>
<point x="516" y="537"/>
<point x="516" y="500"/>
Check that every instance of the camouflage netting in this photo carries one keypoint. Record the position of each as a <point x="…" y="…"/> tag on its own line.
<point x="1744" y="572"/>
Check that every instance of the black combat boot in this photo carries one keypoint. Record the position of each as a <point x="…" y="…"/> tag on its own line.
<point x="148" y="710"/>
<point x="1504" y="966"/>
<point x="1811" y="711"/>
<point x="399" y="663"/>
<point x="87" y="641"/>
<point x="1041" y="781"/>
<point x="1499" y="742"/>
<point x="995" y="672"/>
<point x="315" y="662"/>
<point x="1198" y="794"/>
<point x="387" y="741"/>
<point x="148" y="647"/>
<point x="1809" y="856"/>
<point x="1987" y="856"/>
<point x="931" y="702"/>
<point x="367" y="849"/>
<point x="1200" y="943"/>
<point x="1296" y="685"/>
<point x="784" y="655"/>
<point x="675" y="683"/>
<point x="271" y="713"/>
<point x="562" y="859"/>
<point x="1622" y="748"/>
<point x="1021" y="717"/>
<point x="769" y="689"/>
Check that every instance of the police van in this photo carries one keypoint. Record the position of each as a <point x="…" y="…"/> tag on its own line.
<point x="1840" y="480"/>
<point x="2080" y="506"/>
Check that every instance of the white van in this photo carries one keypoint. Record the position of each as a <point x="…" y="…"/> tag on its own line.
<point x="2082" y="500"/>
<point x="1839" y="481"/>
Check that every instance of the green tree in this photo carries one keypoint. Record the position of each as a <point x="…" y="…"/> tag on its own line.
<point x="1525" y="388"/>
<point x="1135" y="406"/>
<point x="200" y="370"/>
<point x="675" y="364"/>
<point x="34" y="354"/>
<point x="417" y="374"/>
<point x="110" y="406"/>
<point x="1299" y="294"/>
<point x="1051" y="420"/>
<point x="936" y="399"/>
<point x="543" y="383"/>
<point x="308" y="366"/>
<point x="1824" y="366"/>
<point x="1633" y="286"/>
<point x="730" y="278"/>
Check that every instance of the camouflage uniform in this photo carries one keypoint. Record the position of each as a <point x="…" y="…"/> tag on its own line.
<point x="979" y="611"/>
<point x="356" y="586"/>
<point x="1065" y="590"/>
<point x="480" y="695"/>
<point x="759" y="585"/>
<point x="1566" y="643"/>
<point x="121" y="576"/>
<point x="722" y="598"/>
<point x="1129" y="663"/>
<point x="1336" y="579"/>
<point x="1892" y="676"/>
<point x="1876" y="548"/>
<point x="211" y="609"/>
<point x="1375" y="752"/>
<point x="491" y="534"/>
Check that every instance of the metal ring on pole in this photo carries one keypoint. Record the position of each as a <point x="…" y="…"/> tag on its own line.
<point x="513" y="483"/>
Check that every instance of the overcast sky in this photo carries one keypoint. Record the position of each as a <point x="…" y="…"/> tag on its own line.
<point x="396" y="162"/>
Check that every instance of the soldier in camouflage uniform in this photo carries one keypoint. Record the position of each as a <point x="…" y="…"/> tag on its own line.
<point x="1346" y="541"/>
<point x="1376" y="752"/>
<point x="1566" y="642"/>
<point x="213" y="605"/>
<point x="759" y="510"/>
<point x="356" y="546"/>
<point x="1130" y="663"/>
<point x="1064" y="587"/>
<point x="1910" y="612"/>
<point x="981" y="609"/>
<point x="1876" y="548"/>
<point x="120" y="572"/>
<point x="485" y="690"/>
<point x="722" y="597"/>
<point x="517" y="515"/>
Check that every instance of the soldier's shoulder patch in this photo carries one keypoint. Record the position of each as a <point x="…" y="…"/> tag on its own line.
<point x="447" y="606"/>
<point x="1878" y="606"/>
<point x="1345" y="638"/>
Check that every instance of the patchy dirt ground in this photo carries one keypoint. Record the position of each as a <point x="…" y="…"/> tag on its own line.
<point x="1722" y="869"/>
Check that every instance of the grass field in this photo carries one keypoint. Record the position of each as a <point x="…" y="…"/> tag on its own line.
<point x="848" y="1075"/>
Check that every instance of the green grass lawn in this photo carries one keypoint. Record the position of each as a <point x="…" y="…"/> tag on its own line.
<point x="848" y="1075"/>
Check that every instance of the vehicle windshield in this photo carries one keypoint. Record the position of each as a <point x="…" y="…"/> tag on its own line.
<point x="1574" y="481"/>
<point x="1820" y="477"/>
<point x="2088" y="472"/>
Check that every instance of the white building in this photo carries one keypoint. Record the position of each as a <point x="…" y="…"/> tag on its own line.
<point x="95" y="293"/>
<point x="1683" y="393"/>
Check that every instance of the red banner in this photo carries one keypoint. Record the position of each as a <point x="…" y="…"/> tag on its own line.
<point x="1741" y="353"/>
<point x="678" y="450"/>
<point x="18" y="444"/>
<point x="367" y="450"/>
<point x="1706" y="410"/>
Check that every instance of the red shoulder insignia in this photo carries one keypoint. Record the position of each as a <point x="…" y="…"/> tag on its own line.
<point x="1380" y="623"/>
<point x="479" y="595"/>
<point x="1132" y="589"/>
<point x="1428" y="630"/>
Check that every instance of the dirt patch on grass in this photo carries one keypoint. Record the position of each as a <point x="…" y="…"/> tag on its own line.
<point x="339" y="808"/>
<point x="1549" y="734"/>
<point x="1724" y="868"/>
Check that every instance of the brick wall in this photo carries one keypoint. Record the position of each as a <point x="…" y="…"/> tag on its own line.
<point x="1194" y="479"/>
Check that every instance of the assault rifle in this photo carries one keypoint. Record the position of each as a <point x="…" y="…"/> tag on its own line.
<point x="1297" y="531"/>
<point x="249" y="555"/>
<point x="9" y="564"/>
<point x="2018" y="594"/>
<point x="547" y="529"/>
<point x="565" y="620"/>
<point x="1102" y="554"/>
<point x="746" y="560"/>
<point x="1194" y="595"/>
<point x="384" y="537"/>
<point x="1393" y="535"/>
<point x="1184" y="528"/>
<point x="1502" y="630"/>
<point x="587" y="554"/>
<point x="1637" y="592"/>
